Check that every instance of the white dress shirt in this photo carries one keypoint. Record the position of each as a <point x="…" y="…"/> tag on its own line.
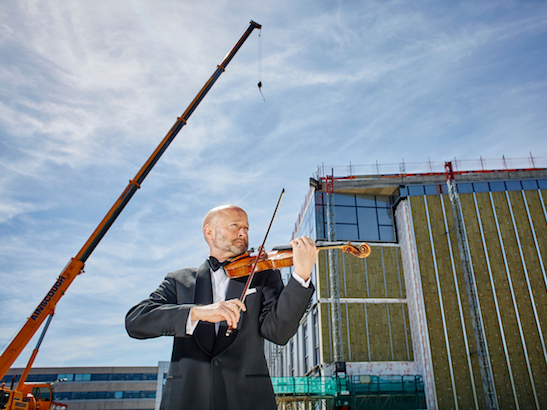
<point x="220" y="283"/>
<point x="220" y="287"/>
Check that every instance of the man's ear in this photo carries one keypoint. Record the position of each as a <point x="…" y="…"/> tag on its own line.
<point x="208" y="233"/>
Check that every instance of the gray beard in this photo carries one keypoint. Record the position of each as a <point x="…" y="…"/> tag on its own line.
<point x="226" y="246"/>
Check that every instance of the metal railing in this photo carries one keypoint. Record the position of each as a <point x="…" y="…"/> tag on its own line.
<point x="362" y="392"/>
<point x="480" y="164"/>
<point x="352" y="385"/>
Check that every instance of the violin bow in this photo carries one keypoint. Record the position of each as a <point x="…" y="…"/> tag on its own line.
<point x="258" y="254"/>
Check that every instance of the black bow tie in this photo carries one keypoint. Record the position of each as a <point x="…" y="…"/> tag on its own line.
<point x="215" y="264"/>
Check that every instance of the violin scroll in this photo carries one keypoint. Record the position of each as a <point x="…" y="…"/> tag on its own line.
<point x="361" y="251"/>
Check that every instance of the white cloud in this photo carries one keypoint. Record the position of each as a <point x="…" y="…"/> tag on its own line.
<point x="88" y="90"/>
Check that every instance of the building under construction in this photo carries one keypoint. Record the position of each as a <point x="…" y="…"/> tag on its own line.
<point x="449" y="310"/>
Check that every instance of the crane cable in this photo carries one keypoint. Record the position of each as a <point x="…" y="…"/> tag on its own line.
<point x="259" y="58"/>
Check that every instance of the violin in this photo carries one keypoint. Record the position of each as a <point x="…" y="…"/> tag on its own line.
<point x="281" y="257"/>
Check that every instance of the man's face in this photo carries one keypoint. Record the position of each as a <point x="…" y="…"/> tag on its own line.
<point x="230" y="234"/>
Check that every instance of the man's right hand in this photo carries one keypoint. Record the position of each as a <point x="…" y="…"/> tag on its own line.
<point x="217" y="312"/>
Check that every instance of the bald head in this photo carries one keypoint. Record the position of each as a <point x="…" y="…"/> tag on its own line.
<point x="213" y="215"/>
<point x="225" y="229"/>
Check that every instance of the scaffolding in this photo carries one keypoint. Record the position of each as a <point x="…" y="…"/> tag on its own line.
<point x="333" y="276"/>
<point x="362" y="392"/>
<point x="472" y="297"/>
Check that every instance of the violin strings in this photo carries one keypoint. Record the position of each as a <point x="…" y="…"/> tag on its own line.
<point x="260" y="250"/>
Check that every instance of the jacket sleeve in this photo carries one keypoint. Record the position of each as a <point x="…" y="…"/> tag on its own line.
<point x="159" y="315"/>
<point x="283" y="308"/>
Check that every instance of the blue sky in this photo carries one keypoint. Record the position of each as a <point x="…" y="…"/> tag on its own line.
<point x="89" y="89"/>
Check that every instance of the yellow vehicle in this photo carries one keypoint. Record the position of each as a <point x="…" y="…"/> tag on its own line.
<point x="28" y="395"/>
<point x="31" y="396"/>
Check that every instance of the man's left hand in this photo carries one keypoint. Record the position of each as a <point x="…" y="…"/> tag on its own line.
<point x="304" y="256"/>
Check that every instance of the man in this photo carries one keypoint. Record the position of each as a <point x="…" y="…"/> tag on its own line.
<point x="210" y="370"/>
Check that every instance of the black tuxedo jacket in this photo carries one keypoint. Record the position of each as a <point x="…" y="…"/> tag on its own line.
<point x="218" y="372"/>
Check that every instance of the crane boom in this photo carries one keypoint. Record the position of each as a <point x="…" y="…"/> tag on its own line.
<point x="76" y="264"/>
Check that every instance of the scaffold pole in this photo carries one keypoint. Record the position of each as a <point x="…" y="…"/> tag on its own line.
<point x="470" y="286"/>
<point x="333" y="275"/>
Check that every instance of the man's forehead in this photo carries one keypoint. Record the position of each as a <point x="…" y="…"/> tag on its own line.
<point x="225" y="213"/>
<point x="232" y="214"/>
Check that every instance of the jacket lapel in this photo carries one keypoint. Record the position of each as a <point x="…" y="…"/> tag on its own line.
<point x="204" y="334"/>
<point x="222" y="342"/>
<point x="235" y="288"/>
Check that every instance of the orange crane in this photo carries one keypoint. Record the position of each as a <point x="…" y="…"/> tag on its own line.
<point x="21" y="397"/>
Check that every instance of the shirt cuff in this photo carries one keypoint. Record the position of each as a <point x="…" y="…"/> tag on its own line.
<point x="191" y="324"/>
<point x="305" y="283"/>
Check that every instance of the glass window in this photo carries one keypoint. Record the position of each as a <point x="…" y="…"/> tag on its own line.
<point x="319" y="198"/>
<point x="61" y="396"/>
<point x="465" y="188"/>
<point x="45" y="394"/>
<point x="529" y="185"/>
<point x="403" y="191"/>
<point x="385" y="216"/>
<point x="368" y="224"/>
<point x="346" y="232"/>
<point x="345" y="214"/>
<point x="320" y="228"/>
<point x="513" y="185"/>
<point x="320" y="216"/>
<point x="416" y="190"/>
<point x="40" y="378"/>
<point x="383" y="201"/>
<point x="387" y="233"/>
<point x="433" y="189"/>
<point x="366" y="200"/>
<point x="366" y="217"/>
<point x="480" y="187"/>
<point x="357" y="222"/>
<point x="102" y="395"/>
<point x="497" y="186"/>
<point x="131" y="394"/>
<point x="69" y="377"/>
<point x="340" y="199"/>
<point x="99" y="376"/>
<point x="542" y="183"/>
